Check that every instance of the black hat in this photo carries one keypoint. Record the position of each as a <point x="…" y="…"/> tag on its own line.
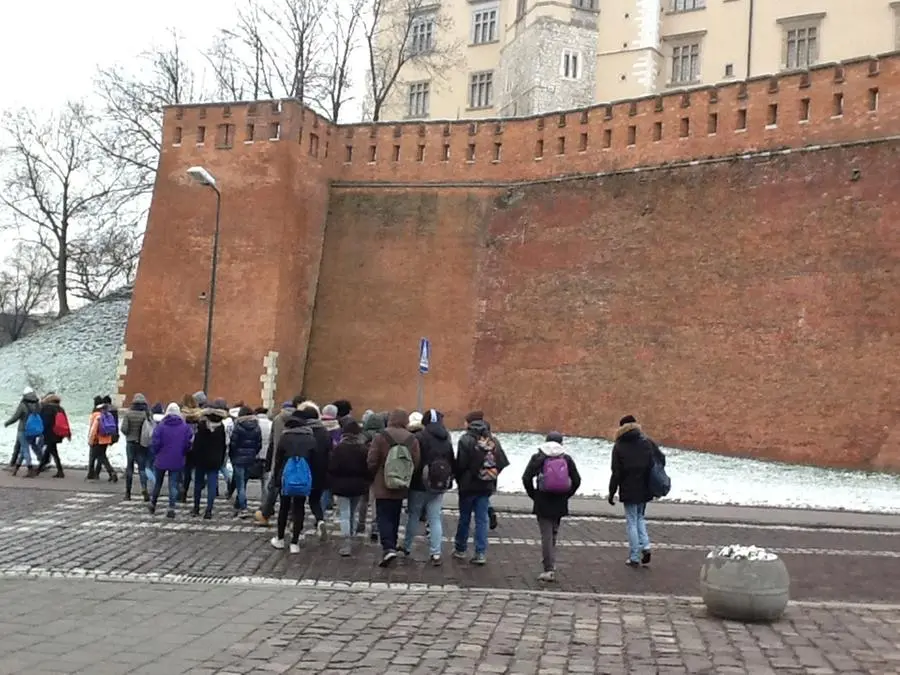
<point x="628" y="419"/>
<point x="554" y="437"/>
<point x="475" y="416"/>
<point x="344" y="408"/>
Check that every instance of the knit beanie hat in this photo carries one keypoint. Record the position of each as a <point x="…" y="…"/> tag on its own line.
<point x="475" y="416"/>
<point x="415" y="421"/>
<point x="330" y="412"/>
<point x="628" y="419"/>
<point x="157" y="409"/>
<point x="173" y="409"/>
<point x="554" y="437"/>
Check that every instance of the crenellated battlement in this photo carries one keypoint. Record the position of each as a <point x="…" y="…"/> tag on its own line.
<point x="855" y="100"/>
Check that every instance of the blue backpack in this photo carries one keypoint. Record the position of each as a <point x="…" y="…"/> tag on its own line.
<point x="659" y="482"/>
<point x="34" y="426"/>
<point x="296" y="479"/>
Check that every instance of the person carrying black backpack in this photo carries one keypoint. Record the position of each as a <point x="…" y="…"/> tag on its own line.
<point x="550" y="479"/>
<point x="432" y="478"/>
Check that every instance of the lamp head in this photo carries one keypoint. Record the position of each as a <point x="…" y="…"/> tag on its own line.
<point x="202" y="176"/>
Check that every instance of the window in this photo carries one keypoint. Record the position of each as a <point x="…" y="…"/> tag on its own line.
<point x="481" y="90"/>
<point x="275" y="131"/>
<point x="314" y="145"/>
<point x="687" y="5"/>
<point x="421" y="40"/>
<point x="729" y="70"/>
<point x="801" y="46"/>
<point x="176" y="140"/>
<point x="418" y="99"/>
<point x="201" y="135"/>
<point x="484" y="25"/>
<point x="570" y="67"/>
<point x="251" y="130"/>
<point x="585" y="4"/>
<point x="685" y="64"/>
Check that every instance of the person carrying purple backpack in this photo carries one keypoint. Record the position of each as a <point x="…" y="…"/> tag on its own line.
<point x="550" y="479"/>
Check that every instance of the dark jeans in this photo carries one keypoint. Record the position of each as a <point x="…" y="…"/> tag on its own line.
<point x="208" y="478"/>
<point x="388" y="513"/>
<point x="296" y="507"/>
<point x="51" y="452"/>
<point x="135" y="454"/>
<point x="99" y="460"/>
<point x="174" y="478"/>
<point x="272" y="492"/>
<point x="15" y="453"/>
<point x="315" y="505"/>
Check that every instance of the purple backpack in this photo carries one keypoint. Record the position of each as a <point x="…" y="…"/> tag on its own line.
<point x="554" y="476"/>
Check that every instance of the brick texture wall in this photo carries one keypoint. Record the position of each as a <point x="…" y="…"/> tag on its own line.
<point x="723" y="263"/>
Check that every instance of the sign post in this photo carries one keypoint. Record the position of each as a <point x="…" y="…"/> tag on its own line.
<point x="424" y="367"/>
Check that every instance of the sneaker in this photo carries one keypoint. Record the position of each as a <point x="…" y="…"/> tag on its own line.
<point x="277" y="543"/>
<point x="322" y="527"/>
<point x="402" y="550"/>
<point x="436" y="560"/>
<point x="388" y="558"/>
<point x="549" y="576"/>
<point x="207" y="515"/>
<point x="127" y="496"/>
<point x="459" y="555"/>
<point x="360" y="528"/>
<point x="60" y="474"/>
<point x="479" y="559"/>
<point x="244" y="514"/>
<point x="195" y="512"/>
<point x="145" y="495"/>
<point x="373" y="536"/>
<point x="261" y="519"/>
<point x="295" y="548"/>
<point x="645" y="557"/>
<point x="492" y="519"/>
<point x="345" y="550"/>
<point x="632" y="563"/>
<point x="236" y="514"/>
<point x="151" y="507"/>
<point x="170" y="514"/>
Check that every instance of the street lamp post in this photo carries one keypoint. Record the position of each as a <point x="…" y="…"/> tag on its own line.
<point x="204" y="177"/>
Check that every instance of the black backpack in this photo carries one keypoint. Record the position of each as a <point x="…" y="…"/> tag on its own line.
<point x="437" y="476"/>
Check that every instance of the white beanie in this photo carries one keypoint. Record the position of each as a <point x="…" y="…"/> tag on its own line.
<point x="27" y="391"/>
<point x="173" y="409"/>
<point x="415" y="421"/>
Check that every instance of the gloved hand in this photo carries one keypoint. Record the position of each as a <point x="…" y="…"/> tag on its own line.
<point x="612" y="500"/>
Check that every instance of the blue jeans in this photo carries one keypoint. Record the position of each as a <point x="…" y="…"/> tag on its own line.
<point x="636" y="527"/>
<point x="240" y="484"/>
<point x="26" y="447"/>
<point x="326" y="500"/>
<point x="135" y="454"/>
<point x="210" y="478"/>
<point x="174" y="486"/>
<point x="431" y="502"/>
<point x="347" y="508"/>
<point x="467" y="504"/>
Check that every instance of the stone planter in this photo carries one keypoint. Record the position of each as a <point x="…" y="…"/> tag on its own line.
<point x="746" y="588"/>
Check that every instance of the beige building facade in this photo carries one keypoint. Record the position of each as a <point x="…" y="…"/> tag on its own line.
<point x="510" y="58"/>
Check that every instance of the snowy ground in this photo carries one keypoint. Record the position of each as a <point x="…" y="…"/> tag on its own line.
<point x="76" y="358"/>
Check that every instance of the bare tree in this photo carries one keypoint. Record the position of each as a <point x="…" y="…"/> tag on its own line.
<point x="296" y="44"/>
<point x="344" y="26"/>
<point x="404" y="34"/>
<point x="239" y="60"/>
<point x="58" y="182"/>
<point x="26" y="286"/>
<point x="104" y="259"/>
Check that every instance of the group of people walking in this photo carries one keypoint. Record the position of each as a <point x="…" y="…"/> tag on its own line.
<point x="307" y="456"/>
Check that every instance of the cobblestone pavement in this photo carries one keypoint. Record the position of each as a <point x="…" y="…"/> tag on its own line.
<point x="108" y="628"/>
<point x="43" y="533"/>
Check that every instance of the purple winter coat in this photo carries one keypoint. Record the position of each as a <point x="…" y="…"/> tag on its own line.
<point x="171" y="442"/>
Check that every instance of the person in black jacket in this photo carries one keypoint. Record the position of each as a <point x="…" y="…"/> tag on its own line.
<point x="431" y="479"/>
<point x="550" y="506"/>
<point x="207" y="456"/>
<point x="297" y="440"/>
<point x="479" y="461"/>
<point x="632" y="457"/>
<point x="318" y="464"/>
<point x="50" y="408"/>
<point x="245" y="445"/>
<point x="349" y="477"/>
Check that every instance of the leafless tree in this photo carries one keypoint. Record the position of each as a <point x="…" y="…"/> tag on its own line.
<point x="26" y="286"/>
<point x="402" y="35"/>
<point x="344" y="23"/>
<point x="104" y="259"/>
<point x="57" y="183"/>
<point x="239" y="60"/>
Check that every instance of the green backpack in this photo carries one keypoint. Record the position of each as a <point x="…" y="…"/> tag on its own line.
<point x="399" y="466"/>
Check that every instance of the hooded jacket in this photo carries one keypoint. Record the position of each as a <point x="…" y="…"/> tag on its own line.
<point x="319" y="463"/>
<point x="171" y="442"/>
<point x="246" y="441"/>
<point x="208" y="451"/>
<point x="297" y="440"/>
<point x="278" y="425"/>
<point x="396" y="433"/>
<point x="94" y="435"/>
<point x="630" y="465"/>
<point x="548" y="504"/>
<point x="29" y="404"/>
<point x="434" y="443"/>
<point x="50" y="408"/>
<point x="133" y="419"/>
<point x="373" y="424"/>
<point x="470" y="457"/>
<point x="348" y="469"/>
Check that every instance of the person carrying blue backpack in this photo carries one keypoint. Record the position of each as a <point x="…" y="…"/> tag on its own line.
<point x="292" y="473"/>
<point x="30" y="430"/>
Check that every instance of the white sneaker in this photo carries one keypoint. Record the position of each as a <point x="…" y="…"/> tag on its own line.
<point x="548" y="577"/>
<point x="277" y="543"/>
<point x="323" y="530"/>
<point x="295" y="548"/>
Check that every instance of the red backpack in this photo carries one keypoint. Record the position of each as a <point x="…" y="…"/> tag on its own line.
<point x="61" y="426"/>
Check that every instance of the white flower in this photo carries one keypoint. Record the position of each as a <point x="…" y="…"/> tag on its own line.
<point x="738" y="552"/>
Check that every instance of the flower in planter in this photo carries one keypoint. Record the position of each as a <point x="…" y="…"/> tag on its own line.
<point x="737" y="552"/>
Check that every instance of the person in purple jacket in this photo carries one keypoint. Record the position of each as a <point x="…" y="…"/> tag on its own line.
<point x="171" y="442"/>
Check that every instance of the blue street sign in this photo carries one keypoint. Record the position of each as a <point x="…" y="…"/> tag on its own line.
<point x="424" y="355"/>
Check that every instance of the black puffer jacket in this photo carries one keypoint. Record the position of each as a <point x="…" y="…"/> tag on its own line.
<point x="246" y="441"/>
<point x="434" y="443"/>
<point x="469" y="459"/>
<point x="296" y="441"/>
<point x="208" y="449"/>
<point x="348" y="472"/>
<point x="548" y="504"/>
<point x="631" y="459"/>
<point x="49" y="409"/>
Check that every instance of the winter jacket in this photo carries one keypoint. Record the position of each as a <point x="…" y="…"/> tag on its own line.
<point x="434" y="443"/>
<point x="333" y="427"/>
<point x="395" y="434"/>
<point x="631" y="459"/>
<point x="549" y="504"/>
<point x="278" y="425"/>
<point x="265" y="426"/>
<point x="246" y="441"/>
<point x="133" y="421"/>
<point x="208" y="449"/>
<point x="49" y="410"/>
<point x="319" y="465"/>
<point x="470" y="458"/>
<point x="94" y="435"/>
<point x="348" y="469"/>
<point x="171" y="442"/>
<point x="297" y="440"/>
<point x="373" y="425"/>
<point x="27" y="405"/>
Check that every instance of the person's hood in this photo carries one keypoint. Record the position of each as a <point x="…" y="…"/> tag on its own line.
<point x="438" y="430"/>
<point x="310" y="405"/>
<point x="374" y="422"/>
<point x="216" y="414"/>
<point x="234" y="412"/>
<point x="263" y="417"/>
<point x="331" y="424"/>
<point x="30" y="398"/>
<point x="632" y="429"/>
<point x="294" y="422"/>
<point x="52" y="399"/>
<point x="140" y="404"/>
<point x="414" y="423"/>
<point x="353" y="438"/>
<point x="201" y="398"/>
<point x="158" y="417"/>
<point x="313" y="424"/>
<point x="398" y="419"/>
<point x="172" y="421"/>
<point x="478" y="428"/>
<point x="552" y="449"/>
<point x="301" y="429"/>
<point x="247" y="422"/>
